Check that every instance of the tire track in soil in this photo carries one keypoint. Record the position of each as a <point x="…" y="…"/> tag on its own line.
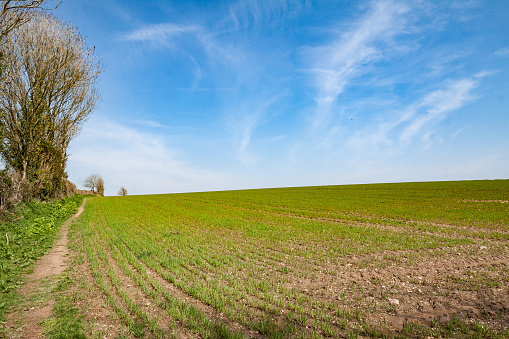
<point x="25" y="322"/>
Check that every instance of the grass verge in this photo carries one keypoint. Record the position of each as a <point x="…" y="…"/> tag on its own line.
<point x="67" y="320"/>
<point x="27" y="236"/>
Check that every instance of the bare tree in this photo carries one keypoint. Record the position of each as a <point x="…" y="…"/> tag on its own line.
<point x="47" y="92"/>
<point x="122" y="191"/>
<point x="100" y="186"/>
<point x="91" y="182"/>
<point x="14" y="13"/>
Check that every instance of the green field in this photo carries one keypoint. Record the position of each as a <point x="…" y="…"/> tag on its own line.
<point x="403" y="260"/>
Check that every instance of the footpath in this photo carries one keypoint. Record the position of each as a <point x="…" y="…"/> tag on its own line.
<point x="37" y="300"/>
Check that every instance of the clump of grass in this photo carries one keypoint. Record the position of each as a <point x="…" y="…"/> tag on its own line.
<point x="66" y="322"/>
<point x="454" y="328"/>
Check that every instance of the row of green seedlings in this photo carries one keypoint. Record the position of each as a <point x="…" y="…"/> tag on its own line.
<point x="129" y="312"/>
<point x="171" y="278"/>
<point x="367" y="329"/>
<point x="371" y="238"/>
<point x="84" y="284"/>
<point x="325" y="325"/>
<point x="454" y="328"/>
<point x="257" y="252"/>
<point x="333" y="216"/>
<point x="352" y="218"/>
<point x="222" y="244"/>
<point x="211" y="293"/>
<point x="323" y="244"/>
<point x="189" y="316"/>
<point x="315" y="268"/>
<point x="262" y="262"/>
<point x="456" y="205"/>
<point x="279" y="255"/>
<point x="216" y="294"/>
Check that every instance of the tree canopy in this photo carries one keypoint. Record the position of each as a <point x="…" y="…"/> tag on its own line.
<point x="13" y="13"/>
<point x="47" y="92"/>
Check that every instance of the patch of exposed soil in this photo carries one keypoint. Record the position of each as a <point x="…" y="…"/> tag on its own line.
<point x="181" y="295"/>
<point x="101" y="318"/>
<point x="470" y="282"/>
<point x="427" y="286"/>
<point x="25" y="321"/>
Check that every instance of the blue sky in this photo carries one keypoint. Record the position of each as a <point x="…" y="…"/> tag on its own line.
<point x="200" y="96"/>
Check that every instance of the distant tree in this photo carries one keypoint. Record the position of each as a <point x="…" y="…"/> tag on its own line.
<point x="100" y="186"/>
<point x="92" y="182"/>
<point x="47" y="91"/>
<point x="122" y="191"/>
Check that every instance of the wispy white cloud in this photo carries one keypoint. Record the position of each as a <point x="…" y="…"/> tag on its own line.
<point x="147" y="123"/>
<point x="363" y="52"/>
<point x="463" y="9"/>
<point x="244" y="117"/>
<point x="160" y="33"/>
<point x="231" y="64"/>
<point x="386" y="31"/>
<point x="483" y="74"/>
<point x="335" y="64"/>
<point x="445" y="62"/>
<point x="370" y="138"/>
<point x="418" y="120"/>
<point x="437" y="105"/>
<point x="245" y="13"/>
<point x="142" y="161"/>
<point x="458" y="132"/>
<point x="202" y="46"/>
<point x="236" y="65"/>
<point x="502" y="52"/>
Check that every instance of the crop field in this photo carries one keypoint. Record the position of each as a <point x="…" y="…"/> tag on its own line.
<point x="380" y="260"/>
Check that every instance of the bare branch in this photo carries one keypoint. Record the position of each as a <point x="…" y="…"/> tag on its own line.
<point x="95" y="183"/>
<point x="15" y="13"/>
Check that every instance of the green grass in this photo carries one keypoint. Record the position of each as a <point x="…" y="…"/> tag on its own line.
<point x="222" y="264"/>
<point x="66" y="322"/>
<point x="30" y="235"/>
<point x="454" y="328"/>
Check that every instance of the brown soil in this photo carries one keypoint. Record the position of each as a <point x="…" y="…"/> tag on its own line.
<point x="390" y="288"/>
<point x="101" y="318"/>
<point x="426" y="286"/>
<point x="25" y="322"/>
<point x="468" y="282"/>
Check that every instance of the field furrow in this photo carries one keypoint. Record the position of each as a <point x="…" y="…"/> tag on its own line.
<point x="309" y="262"/>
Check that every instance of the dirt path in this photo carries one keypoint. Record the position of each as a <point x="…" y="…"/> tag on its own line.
<point x="25" y="321"/>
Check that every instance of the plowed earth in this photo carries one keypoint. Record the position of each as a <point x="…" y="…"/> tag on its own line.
<point x="261" y="287"/>
<point x="170" y="267"/>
